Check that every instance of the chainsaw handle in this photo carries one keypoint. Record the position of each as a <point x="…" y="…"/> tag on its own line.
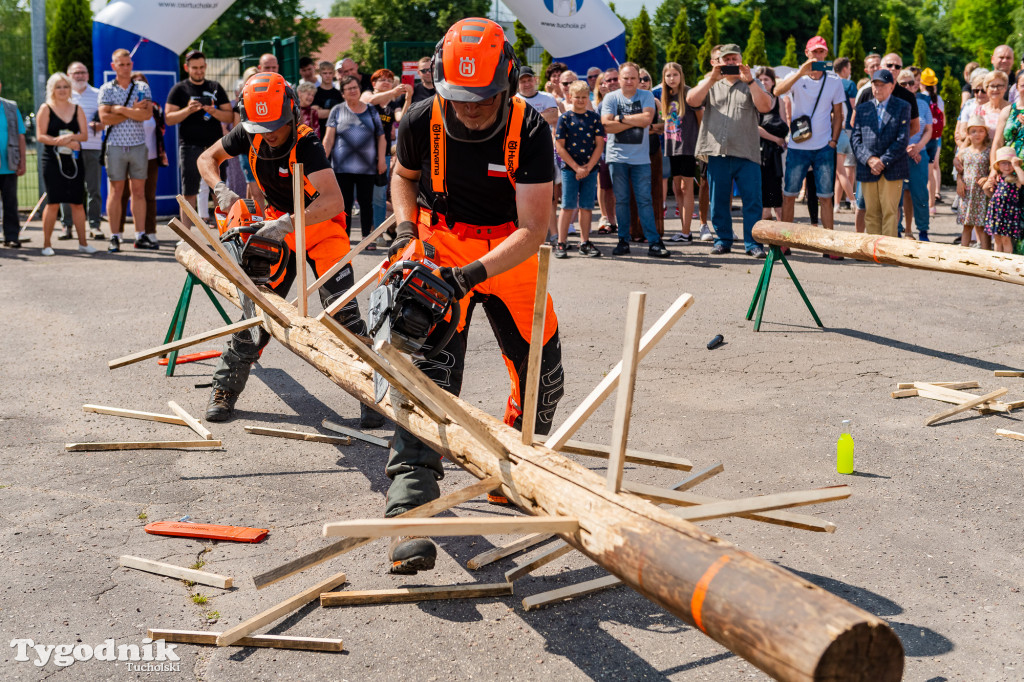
<point x="236" y="231"/>
<point x="456" y="312"/>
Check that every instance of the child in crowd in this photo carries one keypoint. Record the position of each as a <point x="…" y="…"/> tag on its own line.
<point x="1004" y="205"/>
<point x="973" y="208"/>
<point x="579" y="140"/>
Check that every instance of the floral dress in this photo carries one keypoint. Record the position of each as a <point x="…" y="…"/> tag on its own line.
<point x="974" y="206"/>
<point x="1013" y="133"/>
<point x="1004" y="210"/>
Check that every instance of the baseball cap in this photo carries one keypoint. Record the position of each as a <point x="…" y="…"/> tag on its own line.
<point x="526" y="71"/>
<point x="883" y="75"/>
<point x="338" y="64"/>
<point x="730" y="48"/>
<point x="817" y="42"/>
<point x="928" y="77"/>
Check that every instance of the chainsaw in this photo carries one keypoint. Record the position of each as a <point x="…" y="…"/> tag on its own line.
<point x="410" y="300"/>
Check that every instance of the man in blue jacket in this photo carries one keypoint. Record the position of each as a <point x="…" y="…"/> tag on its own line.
<point x="880" y="133"/>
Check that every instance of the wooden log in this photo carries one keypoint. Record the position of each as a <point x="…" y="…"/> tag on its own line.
<point x="299" y="435"/>
<point x="353" y="433"/>
<point x="963" y="407"/>
<point x="489" y="525"/>
<point x="297" y="601"/>
<point x="1006" y="433"/>
<point x="576" y="447"/>
<point x="133" y="414"/>
<point x="502" y="551"/>
<point x="299" y="221"/>
<point x="183" y="343"/>
<point x="540" y="308"/>
<point x="627" y="383"/>
<point x="1008" y="373"/>
<point x="347" y="545"/>
<point x="403" y="595"/>
<point x="190" y="421"/>
<point x="347" y="258"/>
<point x="551" y="554"/>
<point x="172" y="571"/>
<point x="960" y="260"/>
<point x="779" y="622"/>
<point x="271" y="641"/>
<point x="565" y="593"/>
<point x="143" y="445"/>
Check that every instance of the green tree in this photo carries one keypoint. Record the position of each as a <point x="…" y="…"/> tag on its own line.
<point x="892" y="38"/>
<point x="852" y="47"/>
<point x="663" y="21"/>
<point x="950" y="93"/>
<point x="825" y="31"/>
<point x="524" y="41"/>
<point x="755" y="54"/>
<point x="264" y="18"/>
<point x="920" y="52"/>
<point x="980" y="25"/>
<point x="545" y="62"/>
<point x="341" y="8"/>
<point x="681" y="50"/>
<point x="711" y="39"/>
<point x="1016" y="39"/>
<point x="15" y="56"/>
<point x="790" y="58"/>
<point x="69" y="37"/>
<point x="641" y="46"/>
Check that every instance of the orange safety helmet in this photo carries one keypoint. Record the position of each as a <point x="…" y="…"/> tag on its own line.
<point x="474" y="62"/>
<point x="267" y="104"/>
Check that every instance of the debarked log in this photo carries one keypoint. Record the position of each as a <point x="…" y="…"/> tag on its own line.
<point x="784" y="625"/>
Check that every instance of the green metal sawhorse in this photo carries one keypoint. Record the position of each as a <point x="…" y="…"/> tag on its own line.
<point x="761" y="292"/>
<point x="181" y="312"/>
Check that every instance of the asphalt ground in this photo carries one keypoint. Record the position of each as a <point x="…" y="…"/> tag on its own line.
<point x="931" y="539"/>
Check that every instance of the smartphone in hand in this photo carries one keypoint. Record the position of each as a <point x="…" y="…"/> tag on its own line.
<point x="730" y="69"/>
<point x="821" y="66"/>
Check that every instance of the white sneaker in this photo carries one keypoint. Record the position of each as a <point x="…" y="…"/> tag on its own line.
<point x="706" y="235"/>
<point x="86" y="249"/>
<point x="604" y="222"/>
<point x="48" y="251"/>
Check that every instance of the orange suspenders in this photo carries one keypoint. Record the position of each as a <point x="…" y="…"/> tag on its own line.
<point x="307" y="187"/>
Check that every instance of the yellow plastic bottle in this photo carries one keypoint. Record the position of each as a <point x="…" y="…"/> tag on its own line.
<point x="844" y="450"/>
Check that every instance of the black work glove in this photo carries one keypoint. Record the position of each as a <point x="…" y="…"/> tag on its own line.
<point x="465" y="278"/>
<point x="404" y="233"/>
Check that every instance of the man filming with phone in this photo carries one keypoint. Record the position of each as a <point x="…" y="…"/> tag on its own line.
<point x="817" y="120"/>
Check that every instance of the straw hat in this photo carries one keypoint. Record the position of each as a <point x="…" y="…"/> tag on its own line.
<point x="976" y="121"/>
<point x="1005" y="154"/>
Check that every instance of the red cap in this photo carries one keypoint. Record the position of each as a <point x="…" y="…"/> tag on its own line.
<point x="817" y="42"/>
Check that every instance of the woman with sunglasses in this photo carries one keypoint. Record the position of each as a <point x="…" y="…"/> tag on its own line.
<point x="1010" y="128"/>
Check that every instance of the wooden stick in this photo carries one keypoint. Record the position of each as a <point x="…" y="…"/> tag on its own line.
<point x="271" y="641"/>
<point x="299" y="435"/>
<point x="957" y="409"/>
<point x="540" y="308"/>
<point x="183" y="343"/>
<point x="299" y="221"/>
<point x="143" y="445"/>
<point x="627" y="383"/>
<point x="904" y="393"/>
<point x="133" y="414"/>
<point x="945" y="384"/>
<point x="700" y="476"/>
<point x="382" y="528"/>
<point x="576" y="447"/>
<point x="1008" y="373"/>
<point x="944" y="390"/>
<point x="403" y="595"/>
<point x="565" y="593"/>
<point x="172" y="571"/>
<point x="1010" y="434"/>
<point x="203" y="229"/>
<point x="559" y="550"/>
<point x="492" y="555"/>
<point x="357" y="288"/>
<point x="32" y="214"/>
<point x="604" y="389"/>
<point x="224" y="268"/>
<point x="763" y="503"/>
<point x="673" y="496"/>
<point x="285" y="607"/>
<point x="190" y="421"/>
<point x="987" y="408"/>
<point x="353" y="433"/>
<point x="775" y="518"/>
<point x="347" y="258"/>
<point x="437" y="506"/>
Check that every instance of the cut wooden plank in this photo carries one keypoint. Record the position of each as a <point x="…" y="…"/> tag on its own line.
<point x="299" y="435"/>
<point x="987" y="408"/>
<point x="299" y="221"/>
<point x="1010" y="434"/>
<point x="604" y="389"/>
<point x="191" y="421"/>
<point x="944" y="384"/>
<point x="540" y="307"/>
<point x="437" y="506"/>
<point x="357" y="288"/>
<point x="226" y="269"/>
<point x="663" y="495"/>
<point x="354" y="433"/>
<point x="904" y="393"/>
<point x="944" y="390"/>
<point x="1014" y="405"/>
<point x="143" y="445"/>
<point x="403" y="595"/>
<point x="283" y="608"/>
<point x="763" y="503"/>
<point x="182" y="343"/>
<point x="172" y="571"/>
<point x="776" y="518"/>
<point x="576" y="447"/>
<point x="347" y="258"/>
<point x="627" y="384"/>
<point x="412" y="374"/>
<point x="133" y="414"/>
<point x="492" y="555"/>
<point x="957" y="409"/>
<point x="699" y="477"/>
<point x="547" y="557"/>
<point x="382" y="528"/>
<point x="1008" y="373"/>
<point x="271" y="641"/>
<point x="565" y="593"/>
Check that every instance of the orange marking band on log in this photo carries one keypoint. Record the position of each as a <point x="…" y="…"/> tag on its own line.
<point x="874" y="249"/>
<point x="699" y="592"/>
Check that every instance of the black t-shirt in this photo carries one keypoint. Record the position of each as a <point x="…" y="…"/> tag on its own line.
<point x="421" y="92"/>
<point x="275" y="176"/>
<point x="326" y="98"/>
<point x="196" y="129"/>
<point x="387" y="119"/>
<point x="479" y="191"/>
<point x="899" y="92"/>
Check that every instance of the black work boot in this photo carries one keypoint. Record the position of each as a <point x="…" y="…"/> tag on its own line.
<point x="221" y="405"/>
<point x="370" y="418"/>
<point x="409" y="554"/>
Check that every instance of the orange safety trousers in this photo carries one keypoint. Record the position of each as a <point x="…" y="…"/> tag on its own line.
<point x="326" y="243"/>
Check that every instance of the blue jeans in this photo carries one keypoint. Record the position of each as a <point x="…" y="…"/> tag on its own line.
<point x="800" y="161"/>
<point x="722" y="170"/>
<point x="380" y="199"/>
<point x="917" y="183"/>
<point x="639" y="176"/>
<point x="578" y="193"/>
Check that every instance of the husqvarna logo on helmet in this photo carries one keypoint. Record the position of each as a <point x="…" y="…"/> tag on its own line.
<point x="467" y="67"/>
<point x="261" y="109"/>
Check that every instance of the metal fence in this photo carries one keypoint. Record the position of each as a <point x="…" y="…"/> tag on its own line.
<point x="28" y="184"/>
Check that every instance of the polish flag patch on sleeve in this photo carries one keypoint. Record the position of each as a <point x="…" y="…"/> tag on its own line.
<point x="496" y="170"/>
